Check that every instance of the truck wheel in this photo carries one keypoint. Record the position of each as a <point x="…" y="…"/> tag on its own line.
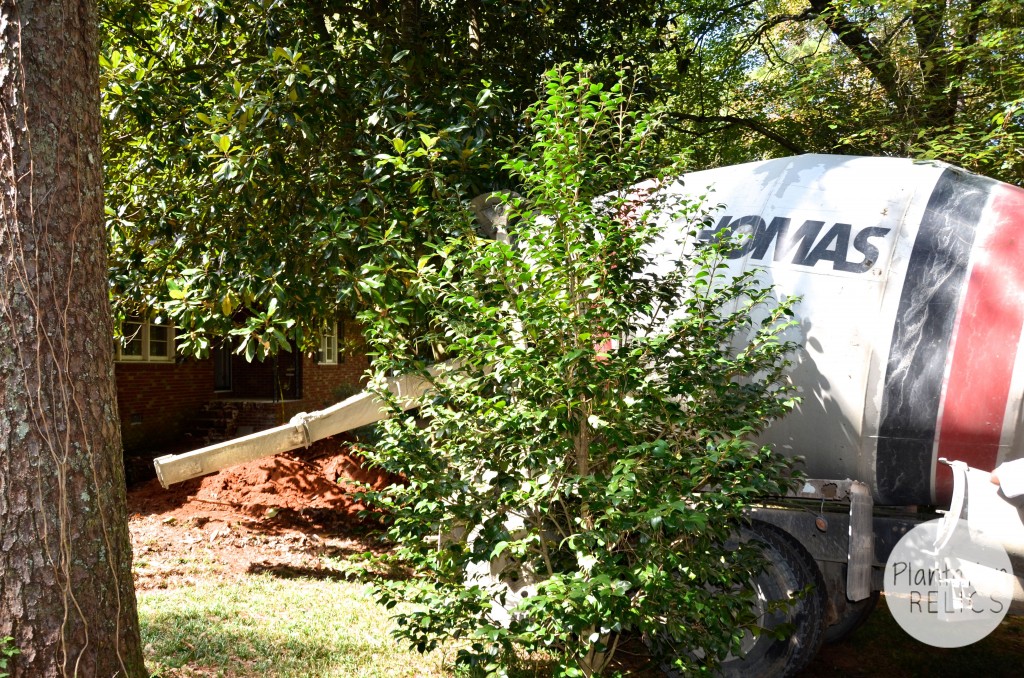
<point x="852" y="618"/>
<point x="789" y="570"/>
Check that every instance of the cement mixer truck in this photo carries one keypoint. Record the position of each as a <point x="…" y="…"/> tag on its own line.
<point x="910" y="276"/>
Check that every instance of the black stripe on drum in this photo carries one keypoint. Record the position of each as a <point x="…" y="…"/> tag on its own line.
<point x="936" y="274"/>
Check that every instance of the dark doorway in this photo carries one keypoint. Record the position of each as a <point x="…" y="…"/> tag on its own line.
<point x="222" y="368"/>
<point x="288" y="376"/>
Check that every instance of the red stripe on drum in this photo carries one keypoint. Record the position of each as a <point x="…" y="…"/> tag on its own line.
<point x="986" y="344"/>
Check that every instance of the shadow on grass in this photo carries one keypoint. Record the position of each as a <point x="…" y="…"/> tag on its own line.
<point x="198" y="639"/>
<point x="352" y="573"/>
<point x="284" y="571"/>
<point x="366" y="525"/>
<point x="294" y="621"/>
<point x="882" y="648"/>
<point x="340" y="564"/>
<point x="275" y="634"/>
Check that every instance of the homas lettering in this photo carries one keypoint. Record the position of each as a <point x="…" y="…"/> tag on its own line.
<point x="801" y="248"/>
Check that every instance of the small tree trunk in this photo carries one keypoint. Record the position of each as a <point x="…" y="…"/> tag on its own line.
<point x="66" y="590"/>
<point x="595" y="662"/>
<point x="473" y="16"/>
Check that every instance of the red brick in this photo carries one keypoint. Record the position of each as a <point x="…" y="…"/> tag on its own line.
<point x="159" y="401"/>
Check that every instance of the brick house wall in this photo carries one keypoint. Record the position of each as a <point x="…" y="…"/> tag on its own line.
<point x="325" y="385"/>
<point x="156" y="400"/>
<point x="159" y="402"/>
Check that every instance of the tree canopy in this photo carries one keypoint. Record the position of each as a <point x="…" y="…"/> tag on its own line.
<point x="900" y="77"/>
<point x="245" y="191"/>
<point x="241" y="136"/>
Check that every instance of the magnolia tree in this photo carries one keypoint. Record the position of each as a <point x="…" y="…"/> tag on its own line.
<point x="587" y="454"/>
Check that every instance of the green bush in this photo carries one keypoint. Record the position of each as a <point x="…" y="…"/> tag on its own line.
<point x="8" y="651"/>
<point x="579" y="469"/>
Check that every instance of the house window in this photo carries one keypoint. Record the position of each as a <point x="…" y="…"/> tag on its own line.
<point x="328" y="353"/>
<point x="145" y="341"/>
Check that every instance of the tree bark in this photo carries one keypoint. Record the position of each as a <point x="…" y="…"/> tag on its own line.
<point x="927" y="20"/>
<point x="858" y="40"/>
<point x="473" y="20"/>
<point x="66" y="590"/>
<point x="749" y="123"/>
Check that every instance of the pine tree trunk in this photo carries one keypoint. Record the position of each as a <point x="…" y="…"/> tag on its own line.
<point x="66" y="590"/>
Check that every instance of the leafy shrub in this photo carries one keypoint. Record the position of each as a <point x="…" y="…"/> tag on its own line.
<point x="8" y="651"/>
<point x="583" y="461"/>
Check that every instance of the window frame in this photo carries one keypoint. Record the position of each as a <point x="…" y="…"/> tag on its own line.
<point x="143" y="336"/>
<point x="323" y="356"/>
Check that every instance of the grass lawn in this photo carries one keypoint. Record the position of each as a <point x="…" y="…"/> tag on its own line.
<point x="264" y="625"/>
<point x="881" y="648"/>
<point x="225" y="593"/>
<point x="268" y="626"/>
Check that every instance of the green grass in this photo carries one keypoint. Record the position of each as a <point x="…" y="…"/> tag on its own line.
<point x="267" y="626"/>
<point x="262" y="625"/>
<point x="882" y="648"/>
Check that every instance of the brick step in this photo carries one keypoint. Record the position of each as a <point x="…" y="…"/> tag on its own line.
<point x="216" y="422"/>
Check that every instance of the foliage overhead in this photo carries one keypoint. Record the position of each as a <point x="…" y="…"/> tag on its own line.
<point x="241" y="137"/>
<point x="245" y="192"/>
<point x="920" y="78"/>
<point x="589" y="398"/>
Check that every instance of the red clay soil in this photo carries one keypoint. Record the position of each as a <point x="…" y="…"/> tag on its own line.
<point x="323" y="477"/>
<point x="281" y="514"/>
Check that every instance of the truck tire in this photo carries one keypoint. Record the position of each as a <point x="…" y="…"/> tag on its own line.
<point x="789" y="570"/>
<point x="852" y="618"/>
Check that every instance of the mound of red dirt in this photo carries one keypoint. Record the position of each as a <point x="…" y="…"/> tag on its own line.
<point x="321" y="479"/>
<point x="288" y="515"/>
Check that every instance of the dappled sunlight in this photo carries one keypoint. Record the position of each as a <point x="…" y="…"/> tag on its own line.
<point x="266" y="626"/>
